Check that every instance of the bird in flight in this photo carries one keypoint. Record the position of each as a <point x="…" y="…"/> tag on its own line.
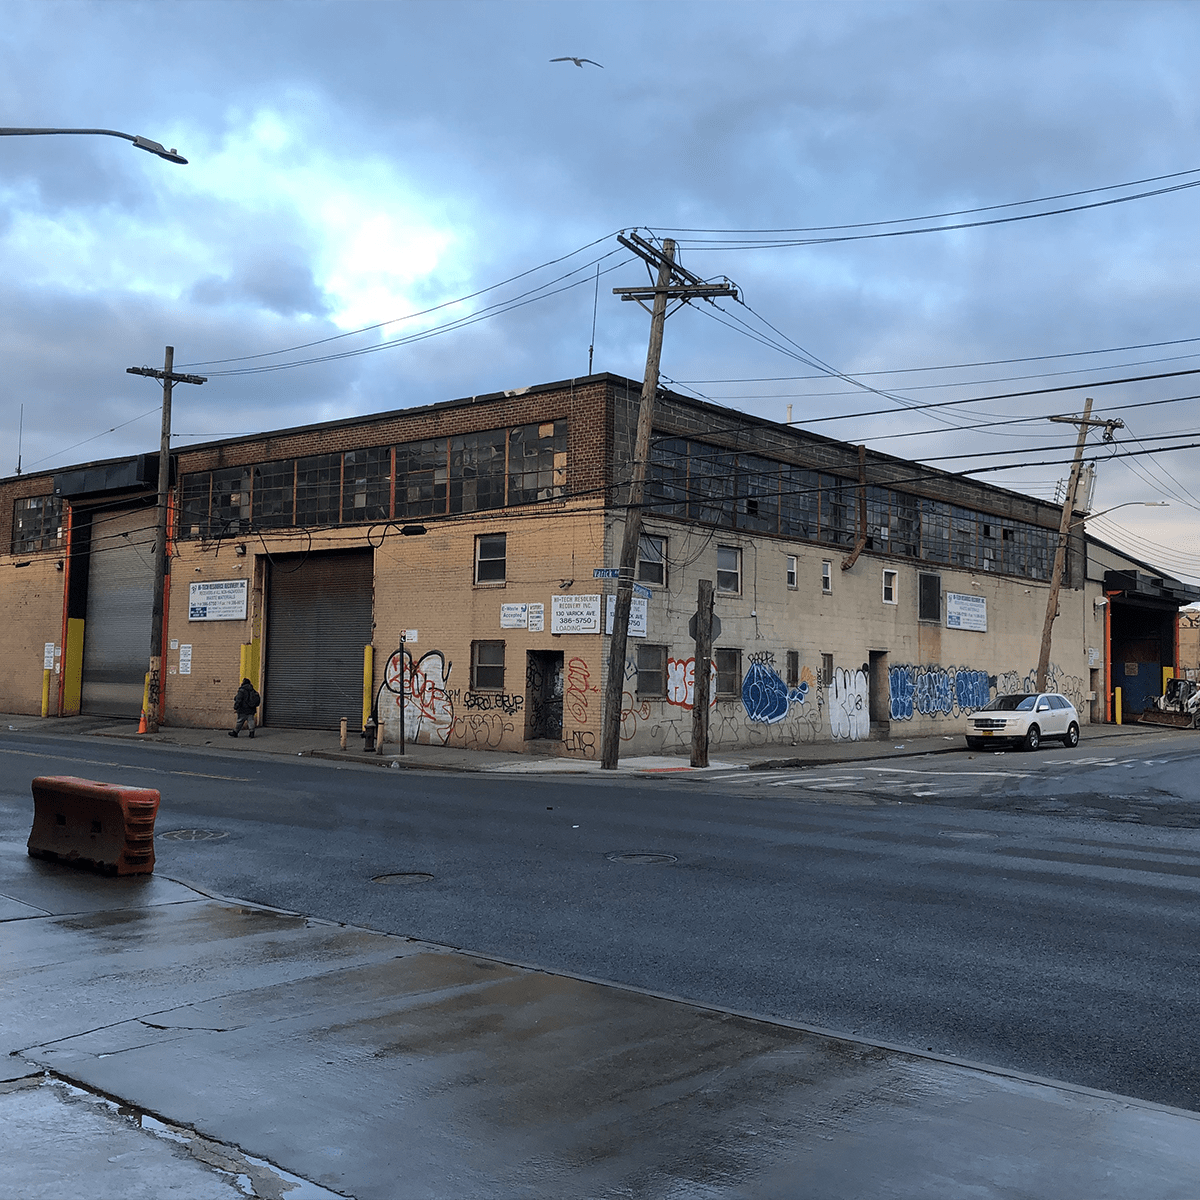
<point x="578" y="61"/>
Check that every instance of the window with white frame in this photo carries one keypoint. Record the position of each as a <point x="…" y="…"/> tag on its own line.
<point x="729" y="570"/>
<point x="827" y="577"/>
<point x="652" y="559"/>
<point x="889" y="587"/>
<point x="791" y="570"/>
<point x="491" y="550"/>
<point x="487" y="666"/>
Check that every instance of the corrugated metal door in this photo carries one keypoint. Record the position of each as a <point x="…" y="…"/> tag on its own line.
<point x="319" y="615"/>
<point x="116" y="636"/>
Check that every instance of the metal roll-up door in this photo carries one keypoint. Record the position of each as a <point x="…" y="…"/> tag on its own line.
<point x="319" y="612"/>
<point x="116" y="635"/>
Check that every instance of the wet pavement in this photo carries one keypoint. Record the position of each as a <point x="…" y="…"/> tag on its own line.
<point x="163" y="1042"/>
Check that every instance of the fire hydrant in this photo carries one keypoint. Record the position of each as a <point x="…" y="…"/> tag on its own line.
<point x="368" y="736"/>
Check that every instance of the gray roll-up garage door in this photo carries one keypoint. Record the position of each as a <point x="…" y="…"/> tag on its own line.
<point x="116" y="634"/>
<point x="319" y="611"/>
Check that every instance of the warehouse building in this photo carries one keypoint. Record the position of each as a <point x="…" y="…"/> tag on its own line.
<point x="446" y="565"/>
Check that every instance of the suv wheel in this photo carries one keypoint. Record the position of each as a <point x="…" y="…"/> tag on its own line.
<point x="974" y="743"/>
<point x="1072" y="738"/>
<point x="1033" y="738"/>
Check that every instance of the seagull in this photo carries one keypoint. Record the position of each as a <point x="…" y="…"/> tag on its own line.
<point x="579" y="61"/>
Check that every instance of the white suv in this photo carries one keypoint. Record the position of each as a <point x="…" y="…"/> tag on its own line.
<point x="1024" y="719"/>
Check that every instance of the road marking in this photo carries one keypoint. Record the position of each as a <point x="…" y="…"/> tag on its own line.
<point x="948" y="774"/>
<point x="100" y="762"/>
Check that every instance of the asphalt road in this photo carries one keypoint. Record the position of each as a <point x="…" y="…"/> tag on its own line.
<point x="1036" y="912"/>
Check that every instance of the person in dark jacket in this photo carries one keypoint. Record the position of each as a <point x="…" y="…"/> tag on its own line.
<point x="245" y="703"/>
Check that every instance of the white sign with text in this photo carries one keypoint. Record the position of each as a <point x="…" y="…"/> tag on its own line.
<point x="575" y="614"/>
<point x="217" y="600"/>
<point x="637" y="616"/>
<point x="966" y="612"/>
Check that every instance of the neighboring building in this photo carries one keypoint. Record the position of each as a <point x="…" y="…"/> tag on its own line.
<point x="856" y="592"/>
<point x="1189" y="643"/>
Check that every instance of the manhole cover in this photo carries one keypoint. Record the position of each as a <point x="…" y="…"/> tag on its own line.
<point x="404" y="877"/>
<point x="964" y="835"/>
<point x="193" y="835"/>
<point x="638" y="858"/>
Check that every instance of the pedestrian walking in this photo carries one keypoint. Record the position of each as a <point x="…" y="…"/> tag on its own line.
<point x="245" y="703"/>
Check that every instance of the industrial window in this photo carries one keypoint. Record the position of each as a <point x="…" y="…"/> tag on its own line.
<point x="651" y="670"/>
<point x="318" y="489"/>
<point x="37" y="524"/>
<point x="275" y="494"/>
<point x="487" y="666"/>
<point x="889" y="587"/>
<point x="929" y="597"/>
<point x="230" y="506"/>
<point x="793" y="668"/>
<point x="367" y="485"/>
<point x="477" y="471"/>
<point x="422" y="470"/>
<point x="827" y="669"/>
<point x="729" y="672"/>
<point x="791" y="570"/>
<point x="729" y="570"/>
<point x="652" y="559"/>
<point x="537" y="462"/>
<point x="827" y="577"/>
<point x="490" y="558"/>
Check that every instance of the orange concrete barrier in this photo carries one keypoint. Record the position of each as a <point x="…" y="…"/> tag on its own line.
<point x="103" y="826"/>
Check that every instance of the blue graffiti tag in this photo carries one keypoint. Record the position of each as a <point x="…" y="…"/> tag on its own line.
<point x="934" y="691"/>
<point x="766" y="697"/>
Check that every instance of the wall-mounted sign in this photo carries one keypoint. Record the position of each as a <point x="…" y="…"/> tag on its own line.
<point x="408" y="635"/>
<point x="514" y="616"/>
<point x="48" y="656"/>
<point x="218" y="600"/>
<point x="575" y="614"/>
<point x="185" y="659"/>
<point x="637" y="616"/>
<point x="966" y="612"/>
<point x="537" y="618"/>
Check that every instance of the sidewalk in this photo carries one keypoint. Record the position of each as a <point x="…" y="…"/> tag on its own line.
<point x="162" y="1042"/>
<point x="324" y="744"/>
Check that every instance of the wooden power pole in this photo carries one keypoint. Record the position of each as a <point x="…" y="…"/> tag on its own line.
<point x="1064" y="527"/>
<point x="168" y="377"/>
<point x="673" y="283"/>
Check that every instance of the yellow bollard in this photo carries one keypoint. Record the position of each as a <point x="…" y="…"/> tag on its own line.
<point x="46" y="693"/>
<point x="368" y="694"/>
<point x="1117" y="704"/>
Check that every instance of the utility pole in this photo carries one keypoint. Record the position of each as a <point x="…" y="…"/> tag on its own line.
<point x="700" y="672"/>
<point x="1064" y="525"/>
<point x="673" y="283"/>
<point x="168" y="377"/>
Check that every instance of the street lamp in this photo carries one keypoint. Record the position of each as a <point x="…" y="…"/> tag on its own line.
<point x="1127" y="504"/>
<point x="141" y="143"/>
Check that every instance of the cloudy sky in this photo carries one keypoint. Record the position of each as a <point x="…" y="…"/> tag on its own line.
<point x="353" y="166"/>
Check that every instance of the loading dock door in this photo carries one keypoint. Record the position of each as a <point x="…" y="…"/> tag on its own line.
<point x="319" y="613"/>
<point x="116" y="633"/>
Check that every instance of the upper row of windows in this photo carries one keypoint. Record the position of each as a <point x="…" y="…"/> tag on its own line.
<point x="746" y="491"/>
<point x="467" y="473"/>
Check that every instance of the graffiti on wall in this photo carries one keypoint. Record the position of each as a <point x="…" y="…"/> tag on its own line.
<point x="421" y="688"/>
<point x="765" y="696"/>
<point x="935" y="691"/>
<point x="681" y="684"/>
<point x="579" y="684"/>
<point x="1057" y="680"/>
<point x="849" y="711"/>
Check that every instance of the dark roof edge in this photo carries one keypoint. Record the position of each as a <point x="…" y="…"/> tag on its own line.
<point x="1158" y="572"/>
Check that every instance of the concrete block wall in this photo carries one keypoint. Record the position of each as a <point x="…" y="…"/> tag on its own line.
<point x="33" y="597"/>
<point x="935" y="675"/>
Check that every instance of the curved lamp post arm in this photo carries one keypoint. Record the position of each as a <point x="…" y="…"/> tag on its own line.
<point x="141" y="143"/>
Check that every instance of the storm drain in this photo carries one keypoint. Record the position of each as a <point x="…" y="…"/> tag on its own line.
<point x="193" y="835"/>
<point x="404" y="877"/>
<point x="640" y="858"/>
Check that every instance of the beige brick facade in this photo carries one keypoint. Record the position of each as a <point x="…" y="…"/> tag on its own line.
<point x="831" y="653"/>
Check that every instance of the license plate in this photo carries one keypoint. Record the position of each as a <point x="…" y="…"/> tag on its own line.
<point x="987" y="733"/>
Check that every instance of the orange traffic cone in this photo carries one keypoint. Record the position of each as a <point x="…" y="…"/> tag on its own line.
<point x="142" y="723"/>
